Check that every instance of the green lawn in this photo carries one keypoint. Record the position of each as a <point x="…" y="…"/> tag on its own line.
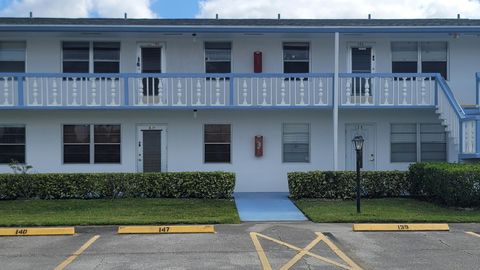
<point x="384" y="210"/>
<point x="116" y="212"/>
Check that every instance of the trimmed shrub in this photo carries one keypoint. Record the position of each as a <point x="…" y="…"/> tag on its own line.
<point x="450" y="184"/>
<point x="342" y="184"/>
<point x="214" y="185"/>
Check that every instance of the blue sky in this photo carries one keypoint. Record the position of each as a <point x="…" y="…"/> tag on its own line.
<point x="174" y="8"/>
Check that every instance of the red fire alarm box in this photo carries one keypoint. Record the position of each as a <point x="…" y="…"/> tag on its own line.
<point x="257" y="62"/>
<point x="258" y="146"/>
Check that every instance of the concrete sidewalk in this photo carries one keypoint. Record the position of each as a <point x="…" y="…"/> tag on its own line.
<point x="267" y="206"/>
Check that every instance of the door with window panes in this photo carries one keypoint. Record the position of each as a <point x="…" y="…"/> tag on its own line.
<point x="149" y="61"/>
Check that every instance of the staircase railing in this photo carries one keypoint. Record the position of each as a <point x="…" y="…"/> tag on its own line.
<point x="460" y="128"/>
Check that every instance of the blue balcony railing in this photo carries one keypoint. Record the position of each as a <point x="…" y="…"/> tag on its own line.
<point x="36" y="90"/>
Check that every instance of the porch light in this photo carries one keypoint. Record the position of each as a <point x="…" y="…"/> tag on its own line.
<point x="358" y="146"/>
<point x="358" y="143"/>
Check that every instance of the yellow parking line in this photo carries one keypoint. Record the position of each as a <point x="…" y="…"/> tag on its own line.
<point x="340" y="253"/>
<point x="77" y="253"/>
<point x="473" y="234"/>
<point x="166" y="229"/>
<point x="37" y="231"/>
<point x="261" y="253"/>
<point x="302" y="252"/>
<point x="399" y="227"/>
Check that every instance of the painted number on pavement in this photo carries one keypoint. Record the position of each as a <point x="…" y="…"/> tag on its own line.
<point x="403" y="227"/>
<point x="163" y="229"/>
<point x="21" y="231"/>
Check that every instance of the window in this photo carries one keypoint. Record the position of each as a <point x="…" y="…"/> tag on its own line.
<point x="434" y="58"/>
<point x="403" y="143"/>
<point x="421" y="57"/>
<point x="12" y="56"/>
<point x="404" y="57"/>
<point x="418" y="142"/>
<point x="78" y="144"/>
<point x="107" y="143"/>
<point x="12" y="144"/>
<point x="217" y="139"/>
<point x="218" y="57"/>
<point x="106" y="57"/>
<point x="296" y="57"/>
<point x="96" y="57"/>
<point x="433" y="142"/>
<point x="296" y="143"/>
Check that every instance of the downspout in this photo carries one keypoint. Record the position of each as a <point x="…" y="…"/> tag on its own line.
<point x="335" y="103"/>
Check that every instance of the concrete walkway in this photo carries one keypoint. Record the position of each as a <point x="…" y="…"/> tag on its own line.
<point x="263" y="206"/>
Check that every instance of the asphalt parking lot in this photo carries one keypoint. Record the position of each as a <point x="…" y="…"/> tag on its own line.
<point x="303" y="245"/>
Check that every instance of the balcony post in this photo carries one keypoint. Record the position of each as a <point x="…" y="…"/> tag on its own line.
<point x="125" y="90"/>
<point x="232" y="91"/>
<point x="21" y="101"/>
<point x="335" y="102"/>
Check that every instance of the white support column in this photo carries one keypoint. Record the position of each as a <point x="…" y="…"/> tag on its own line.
<point x="336" y="94"/>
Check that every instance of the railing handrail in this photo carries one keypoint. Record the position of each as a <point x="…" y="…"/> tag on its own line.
<point x="167" y="75"/>
<point x="386" y="75"/>
<point x="450" y="97"/>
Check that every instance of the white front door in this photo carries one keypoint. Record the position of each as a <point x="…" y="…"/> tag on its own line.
<point x="151" y="148"/>
<point x="368" y="132"/>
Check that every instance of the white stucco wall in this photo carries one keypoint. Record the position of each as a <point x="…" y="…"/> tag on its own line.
<point x="185" y="140"/>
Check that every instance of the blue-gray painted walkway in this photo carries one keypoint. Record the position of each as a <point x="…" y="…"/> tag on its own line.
<point x="263" y="206"/>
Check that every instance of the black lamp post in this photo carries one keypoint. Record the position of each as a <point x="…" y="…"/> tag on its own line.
<point x="358" y="145"/>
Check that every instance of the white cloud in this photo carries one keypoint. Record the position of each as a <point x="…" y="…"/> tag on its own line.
<point x="331" y="9"/>
<point x="79" y="8"/>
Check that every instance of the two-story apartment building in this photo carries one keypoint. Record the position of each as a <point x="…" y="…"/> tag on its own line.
<point x="256" y="97"/>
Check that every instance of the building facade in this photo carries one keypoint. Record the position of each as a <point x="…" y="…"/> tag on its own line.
<point x="260" y="98"/>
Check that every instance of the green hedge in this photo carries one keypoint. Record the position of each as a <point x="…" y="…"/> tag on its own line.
<point x="342" y="184"/>
<point x="446" y="183"/>
<point x="114" y="185"/>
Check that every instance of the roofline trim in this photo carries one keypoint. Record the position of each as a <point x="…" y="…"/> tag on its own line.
<point x="239" y="29"/>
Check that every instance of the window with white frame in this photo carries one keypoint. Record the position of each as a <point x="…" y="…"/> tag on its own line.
<point x="218" y="57"/>
<point x="79" y="146"/>
<point x="412" y="142"/>
<point x="296" y="57"/>
<point x="91" y="57"/>
<point x="296" y="142"/>
<point x="12" y="56"/>
<point x="12" y="144"/>
<point x="217" y="143"/>
<point x="419" y="57"/>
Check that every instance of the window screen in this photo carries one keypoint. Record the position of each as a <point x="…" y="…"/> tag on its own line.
<point x="217" y="139"/>
<point x="12" y="144"/>
<point x="296" y="143"/>
<point x="76" y="143"/>
<point x="403" y="145"/>
<point x="296" y="57"/>
<point x="107" y="143"/>
<point x="12" y="56"/>
<point x="106" y="57"/>
<point x="433" y="142"/>
<point x="76" y="57"/>
<point x="434" y="58"/>
<point x="404" y="57"/>
<point x="218" y="57"/>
